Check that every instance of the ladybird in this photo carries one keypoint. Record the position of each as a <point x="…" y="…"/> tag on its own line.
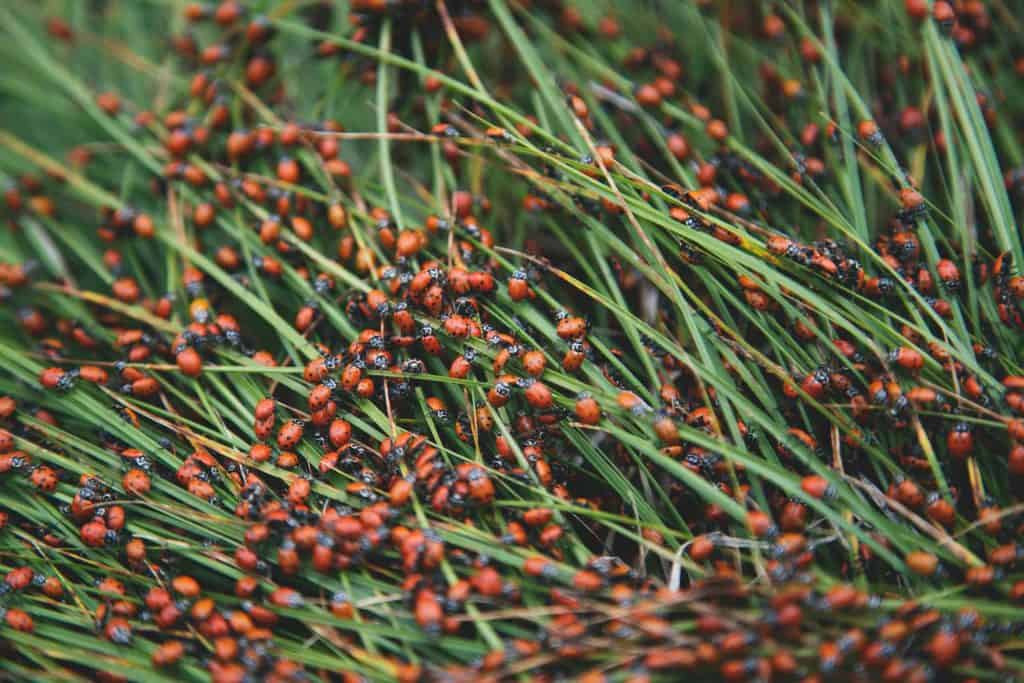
<point x="537" y="394"/>
<point x="940" y="510"/>
<point x="265" y="409"/>
<point x="949" y="274"/>
<point x="428" y="340"/>
<point x="481" y="488"/>
<point x="185" y="586"/>
<point x="290" y="433"/>
<point x="427" y="611"/>
<point x="869" y="132"/>
<point x="53" y="588"/>
<point x="907" y="358"/>
<point x="93" y="373"/>
<point x="461" y="366"/>
<point x="944" y="646"/>
<point x="135" y="550"/>
<point x="816" y="384"/>
<point x="717" y="130"/>
<point x="499" y="394"/>
<point x="922" y="397"/>
<point x="19" y="620"/>
<point x="94" y="533"/>
<point x="189" y="362"/>
<point x="55" y="378"/>
<point x="519" y="287"/>
<point x="44" y="478"/>
<point x="818" y="487"/>
<point x="339" y="433"/>
<point x="647" y="96"/>
<point x="574" y="356"/>
<point x="136" y="482"/>
<point x="587" y="581"/>
<point x="922" y="563"/>
<point x="318" y="397"/>
<point x="587" y="410"/>
<point x="534" y="362"/>
<point x="760" y="524"/>
<point x="960" y="440"/>
<point x="944" y="15"/>
<point x="571" y="327"/>
<point x="19" y="578"/>
<point x="168" y="653"/>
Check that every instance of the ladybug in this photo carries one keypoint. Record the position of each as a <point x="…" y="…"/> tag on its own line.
<point x="319" y="397"/>
<point x="433" y="300"/>
<point x="499" y="394"/>
<point x="427" y="610"/>
<point x="428" y="340"/>
<point x="571" y="327"/>
<point x="462" y="365"/>
<point x="339" y="433"/>
<point x="780" y="245"/>
<point x="761" y="525"/>
<point x="53" y="588"/>
<point x="537" y="394"/>
<point x="587" y="410"/>
<point x="118" y="631"/>
<point x="185" y="586"/>
<point x="534" y="362"/>
<point x="57" y="378"/>
<point x="19" y="578"/>
<point x="316" y="370"/>
<point x="907" y="358"/>
<point x="19" y="620"/>
<point x="400" y="492"/>
<point x="126" y="290"/>
<point x="944" y="646"/>
<point x="265" y="409"/>
<point x="189" y="362"/>
<point x="481" y="488"/>
<point x="457" y="326"/>
<point x="940" y="510"/>
<point x="816" y="384"/>
<point x="944" y="15"/>
<point x="168" y="653"/>
<point x="44" y="478"/>
<point x="574" y="356"/>
<point x="817" y="487"/>
<point x="960" y="441"/>
<point x="519" y="286"/>
<point x="93" y="373"/>
<point x="136" y="482"/>
<point x="587" y="581"/>
<point x="481" y="282"/>
<point x="869" y="132"/>
<point x="949" y="274"/>
<point x="290" y="433"/>
<point x="94" y="533"/>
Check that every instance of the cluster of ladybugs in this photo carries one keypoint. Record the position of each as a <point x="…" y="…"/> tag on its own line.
<point x="434" y="319"/>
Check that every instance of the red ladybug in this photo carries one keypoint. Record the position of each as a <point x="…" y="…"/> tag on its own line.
<point x="136" y="482"/>
<point x="19" y="620"/>
<point x="94" y="533"/>
<point x="587" y="410"/>
<point x="44" y="478"/>
<point x="290" y="433"/>
<point x="519" y="287"/>
<point x="189" y="361"/>
<point x="960" y="441"/>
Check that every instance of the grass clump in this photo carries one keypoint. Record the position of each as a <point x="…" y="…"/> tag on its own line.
<point x="511" y="340"/>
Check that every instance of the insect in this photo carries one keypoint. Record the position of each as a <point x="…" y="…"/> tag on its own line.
<point x="136" y="482"/>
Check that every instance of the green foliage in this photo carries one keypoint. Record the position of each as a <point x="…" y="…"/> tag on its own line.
<point x="529" y="133"/>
